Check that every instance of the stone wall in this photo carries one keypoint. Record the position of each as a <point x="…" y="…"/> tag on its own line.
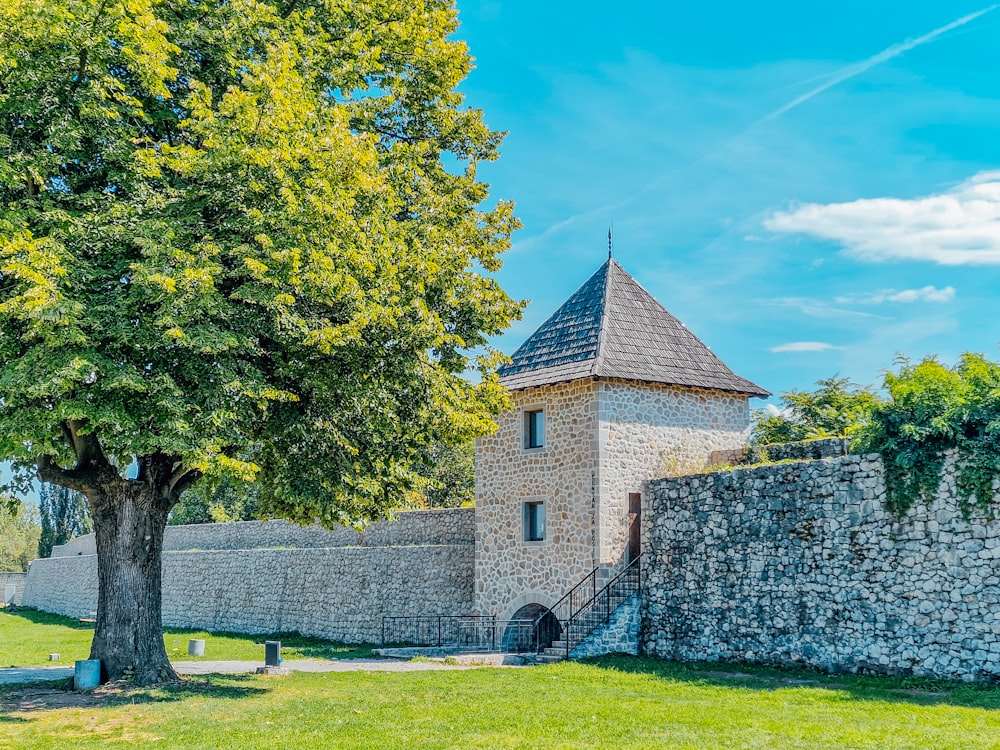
<point x="12" y="579"/>
<point x="341" y="591"/>
<point x="417" y="527"/>
<point x="802" y="563"/>
<point x="619" y="636"/>
<point x="511" y="572"/>
<point x="649" y="430"/>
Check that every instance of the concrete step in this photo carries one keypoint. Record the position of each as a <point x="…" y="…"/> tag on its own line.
<point x="550" y="658"/>
<point x="561" y="645"/>
<point x="553" y="651"/>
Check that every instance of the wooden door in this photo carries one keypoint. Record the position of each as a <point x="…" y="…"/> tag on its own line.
<point x="634" y="526"/>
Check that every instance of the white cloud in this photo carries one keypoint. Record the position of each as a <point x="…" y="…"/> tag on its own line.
<point x="960" y="226"/>
<point x="924" y="294"/>
<point x="803" y="346"/>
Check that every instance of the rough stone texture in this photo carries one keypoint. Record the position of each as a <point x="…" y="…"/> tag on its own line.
<point x="802" y="563"/>
<point x="619" y="636"/>
<point x="417" y="527"/>
<point x="18" y="580"/>
<point x="337" y="592"/>
<point x="603" y="440"/>
<point x="511" y="572"/>
<point x="649" y="430"/>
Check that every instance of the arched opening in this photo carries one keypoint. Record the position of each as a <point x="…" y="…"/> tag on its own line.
<point x="532" y="627"/>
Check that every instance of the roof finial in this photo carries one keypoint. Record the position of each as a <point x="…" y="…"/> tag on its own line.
<point x="609" y="240"/>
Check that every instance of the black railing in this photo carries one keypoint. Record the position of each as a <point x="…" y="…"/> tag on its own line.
<point x="575" y="598"/>
<point x="598" y="610"/>
<point x="547" y="626"/>
<point x="461" y="632"/>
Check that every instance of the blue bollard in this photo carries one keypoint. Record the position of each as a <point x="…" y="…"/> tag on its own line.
<point x="87" y="674"/>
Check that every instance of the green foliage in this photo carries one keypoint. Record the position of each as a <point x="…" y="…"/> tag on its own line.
<point x="838" y="408"/>
<point x="217" y="501"/>
<point x="64" y="515"/>
<point x="933" y="409"/>
<point x="451" y="475"/>
<point x="230" y="245"/>
<point x="19" y="534"/>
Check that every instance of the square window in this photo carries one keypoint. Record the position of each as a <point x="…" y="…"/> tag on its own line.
<point x="534" y="521"/>
<point x="534" y="428"/>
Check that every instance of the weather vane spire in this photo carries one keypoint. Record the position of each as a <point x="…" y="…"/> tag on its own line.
<point x="609" y="241"/>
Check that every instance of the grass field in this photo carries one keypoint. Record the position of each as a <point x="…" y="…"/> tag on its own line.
<point x="618" y="702"/>
<point x="27" y="637"/>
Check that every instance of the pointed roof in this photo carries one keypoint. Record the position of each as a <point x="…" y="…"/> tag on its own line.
<point x="613" y="328"/>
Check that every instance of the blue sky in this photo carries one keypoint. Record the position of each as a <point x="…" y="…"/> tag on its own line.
<point x="811" y="188"/>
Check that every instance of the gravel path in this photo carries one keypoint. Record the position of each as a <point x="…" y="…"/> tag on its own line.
<point x="21" y="675"/>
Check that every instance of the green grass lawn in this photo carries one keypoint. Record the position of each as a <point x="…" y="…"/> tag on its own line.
<point x="621" y="702"/>
<point x="617" y="702"/>
<point x="27" y="637"/>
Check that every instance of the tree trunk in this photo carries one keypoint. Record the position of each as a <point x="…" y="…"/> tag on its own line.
<point x="129" y="520"/>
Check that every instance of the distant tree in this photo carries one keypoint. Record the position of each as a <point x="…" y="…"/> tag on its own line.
<point x="838" y="408"/>
<point x="240" y="238"/>
<point x="451" y="475"/>
<point x="220" y="501"/>
<point x="19" y="534"/>
<point x="64" y="515"/>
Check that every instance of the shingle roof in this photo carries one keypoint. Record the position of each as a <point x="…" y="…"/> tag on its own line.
<point x="613" y="328"/>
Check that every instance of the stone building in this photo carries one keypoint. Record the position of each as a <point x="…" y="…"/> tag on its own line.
<point x="611" y="391"/>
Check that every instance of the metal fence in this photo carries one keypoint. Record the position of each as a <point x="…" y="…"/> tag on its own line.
<point x="462" y="632"/>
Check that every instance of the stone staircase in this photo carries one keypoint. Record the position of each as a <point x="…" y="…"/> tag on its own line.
<point x="600" y="611"/>
<point x="554" y="653"/>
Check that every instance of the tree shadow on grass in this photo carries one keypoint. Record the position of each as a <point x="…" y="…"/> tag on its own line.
<point x="26" y="699"/>
<point x="921" y="691"/>
<point x="46" y="618"/>
<point x="293" y="645"/>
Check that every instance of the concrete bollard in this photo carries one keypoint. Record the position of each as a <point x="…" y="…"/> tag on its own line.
<point x="196" y="647"/>
<point x="87" y="674"/>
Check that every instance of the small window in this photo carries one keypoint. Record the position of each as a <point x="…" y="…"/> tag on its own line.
<point x="534" y="428"/>
<point x="534" y="521"/>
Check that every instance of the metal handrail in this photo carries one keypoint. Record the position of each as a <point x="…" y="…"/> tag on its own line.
<point x="632" y="570"/>
<point x="569" y="596"/>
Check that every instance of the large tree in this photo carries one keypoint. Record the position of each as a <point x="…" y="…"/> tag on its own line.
<point x="238" y="237"/>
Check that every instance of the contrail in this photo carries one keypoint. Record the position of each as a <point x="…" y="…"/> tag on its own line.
<point x="887" y="54"/>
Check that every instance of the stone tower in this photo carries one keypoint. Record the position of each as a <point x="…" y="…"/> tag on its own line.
<point x="610" y="392"/>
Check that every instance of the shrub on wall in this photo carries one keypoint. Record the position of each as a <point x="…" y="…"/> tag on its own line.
<point x="932" y="410"/>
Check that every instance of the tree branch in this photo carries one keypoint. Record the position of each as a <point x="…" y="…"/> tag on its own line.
<point x="181" y="479"/>
<point x="49" y="471"/>
<point x="87" y="447"/>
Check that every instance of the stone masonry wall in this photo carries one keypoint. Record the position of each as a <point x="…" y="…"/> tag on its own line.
<point x="337" y="592"/>
<point x="619" y="636"/>
<point x="417" y="527"/>
<point x="511" y="572"/>
<point x="802" y="563"/>
<point x="15" y="579"/>
<point x="649" y="430"/>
